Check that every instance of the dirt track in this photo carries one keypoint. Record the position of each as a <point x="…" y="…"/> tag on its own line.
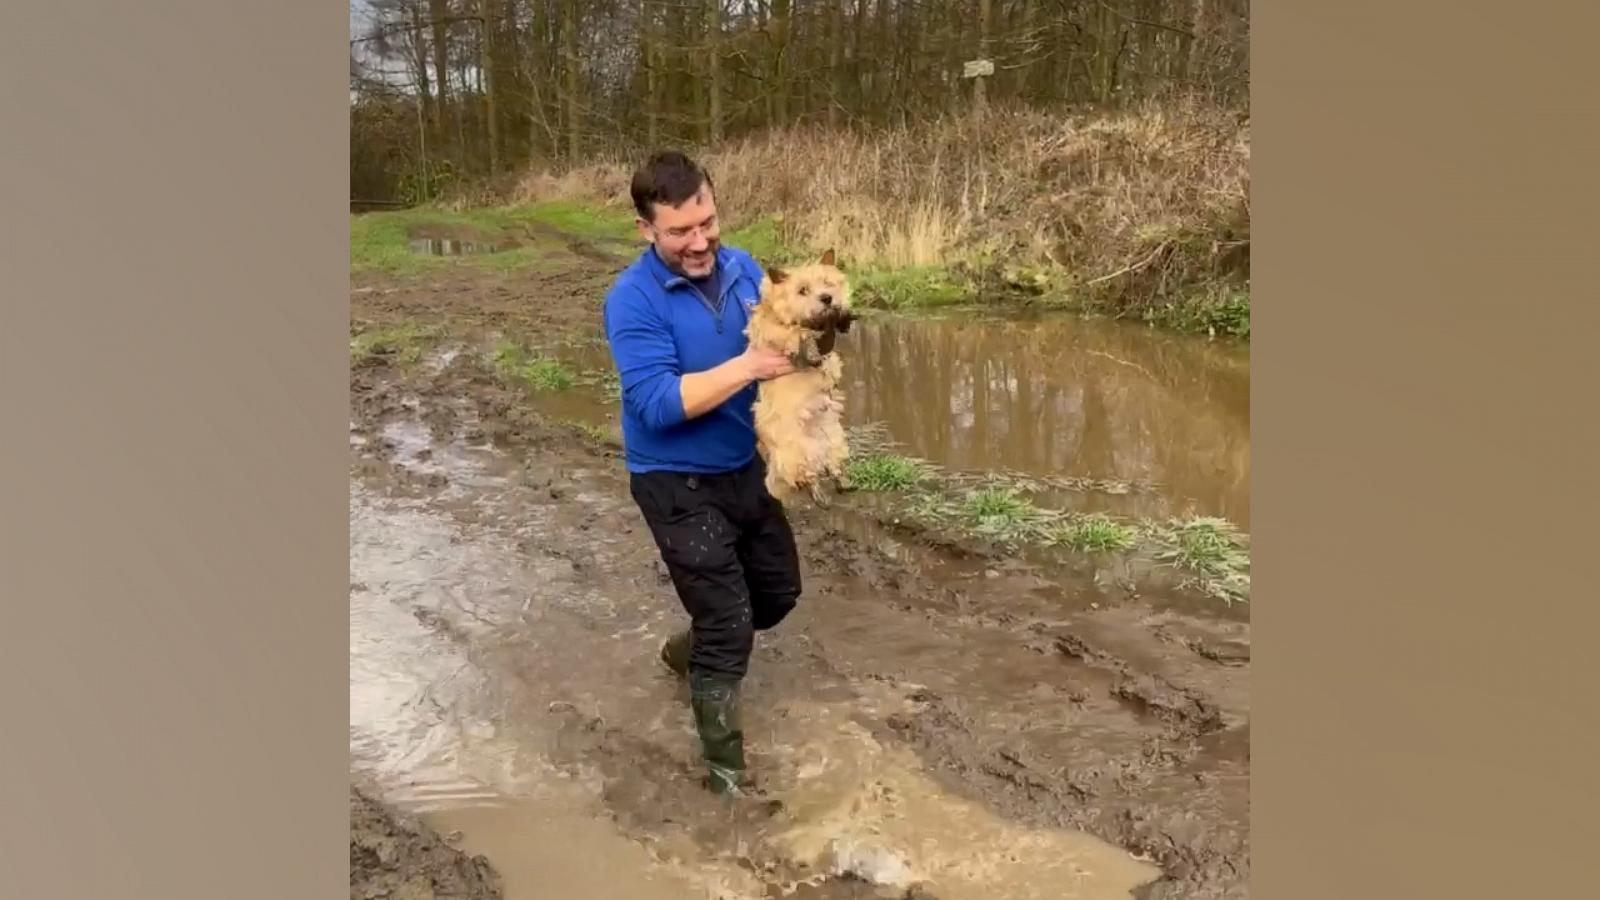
<point x="941" y="722"/>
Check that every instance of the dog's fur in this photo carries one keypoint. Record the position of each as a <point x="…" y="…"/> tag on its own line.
<point x="799" y="417"/>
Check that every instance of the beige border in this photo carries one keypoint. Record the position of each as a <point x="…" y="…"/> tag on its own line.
<point x="172" y="363"/>
<point x="1423" y="319"/>
<point x="174" y="351"/>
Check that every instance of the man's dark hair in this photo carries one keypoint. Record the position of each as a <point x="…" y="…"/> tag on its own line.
<point x="668" y="178"/>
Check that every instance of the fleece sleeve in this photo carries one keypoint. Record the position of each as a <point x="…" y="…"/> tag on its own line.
<point x="646" y="359"/>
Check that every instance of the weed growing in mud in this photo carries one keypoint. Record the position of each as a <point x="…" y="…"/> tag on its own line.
<point x="403" y="343"/>
<point x="1220" y="311"/>
<point x="1004" y="514"/>
<point x="884" y="472"/>
<point x="1094" y="534"/>
<point x="1210" y="548"/>
<point x="599" y="434"/>
<point x="607" y="381"/>
<point x="537" y="372"/>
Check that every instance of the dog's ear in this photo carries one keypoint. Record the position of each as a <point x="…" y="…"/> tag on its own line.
<point x="777" y="276"/>
<point x="827" y="257"/>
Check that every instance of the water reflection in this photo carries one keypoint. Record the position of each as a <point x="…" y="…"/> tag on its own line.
<point x="1060" y="396"/>
<point x="453" y="247"/>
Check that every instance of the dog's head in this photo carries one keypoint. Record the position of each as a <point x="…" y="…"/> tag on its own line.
<point x="814" y="296"/>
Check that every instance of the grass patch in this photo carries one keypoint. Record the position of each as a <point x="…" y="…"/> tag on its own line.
<point x="1216" y="311"/>
<point x="911" y="287"/>
<point x="580" y="219"/>
<point x="402" y="343"/>
<point x="599" y="434"/>
<point x="380" y="241"/>
<point x="516" y="364"/>
<point x="760" y="238"/>
<point x="1212" y="550"/>
<point x="1003" y="514"/>
<point x="883" y="473"/>
<point x="1094" y="534"/>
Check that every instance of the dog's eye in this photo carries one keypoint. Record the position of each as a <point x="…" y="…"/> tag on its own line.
<point x="805" y="290"/>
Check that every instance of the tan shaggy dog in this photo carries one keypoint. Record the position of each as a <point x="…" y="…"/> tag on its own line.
<point x="800" y="416"/>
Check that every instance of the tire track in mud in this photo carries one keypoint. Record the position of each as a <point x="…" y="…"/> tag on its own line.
<point x="1112" y="721"/>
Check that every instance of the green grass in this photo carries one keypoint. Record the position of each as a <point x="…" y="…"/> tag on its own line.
<point x="581" y="220"/>
<point x="600" y="434"/>
<point x="380" y="241"/>
<point x="916" y="287"/>
<point x="1094" y="534"/>
<point x="1212" y="550"/>
<point x="516" y="364"/>
<point x="760" y="238"/>
<point x="1215" y="311"/>
<point x="1002" y="513"/>
<point x="405" y="343"/>
<point x="883" y="473"/>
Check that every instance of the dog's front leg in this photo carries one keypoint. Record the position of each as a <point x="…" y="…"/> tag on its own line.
<point x="809" y="356"/>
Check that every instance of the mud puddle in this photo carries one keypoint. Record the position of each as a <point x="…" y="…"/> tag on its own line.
<point x="458" y="247"/>
<point x="1058" y="395"/>
<point x="504" y="684"/>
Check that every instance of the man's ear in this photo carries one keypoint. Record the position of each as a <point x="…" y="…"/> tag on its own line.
<point x="827" y="257"/>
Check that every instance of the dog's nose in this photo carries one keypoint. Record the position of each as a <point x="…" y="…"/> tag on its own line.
<point x="827" y="299"/>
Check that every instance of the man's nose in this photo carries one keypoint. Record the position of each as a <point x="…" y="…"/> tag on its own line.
<point x="699" y="242"/>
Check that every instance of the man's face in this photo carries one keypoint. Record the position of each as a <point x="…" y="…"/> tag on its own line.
<point x="686" y="236"/>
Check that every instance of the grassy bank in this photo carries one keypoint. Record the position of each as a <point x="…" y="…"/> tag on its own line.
<point x="518" y="235"/>
<point x="1208" y="554"/>
<point x="1142" y="214"/>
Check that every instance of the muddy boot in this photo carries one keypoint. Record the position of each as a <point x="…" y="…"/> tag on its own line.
<point x="675" y="653"/>
<point x="715" y="700"/>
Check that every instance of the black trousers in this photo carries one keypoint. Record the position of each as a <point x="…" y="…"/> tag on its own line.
<point x="731" y="554"/>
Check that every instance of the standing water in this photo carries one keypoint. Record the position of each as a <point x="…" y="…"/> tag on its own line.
<point x="1056" y="396"/>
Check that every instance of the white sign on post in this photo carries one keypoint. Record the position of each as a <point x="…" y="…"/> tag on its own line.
<point x="977" y="68"/>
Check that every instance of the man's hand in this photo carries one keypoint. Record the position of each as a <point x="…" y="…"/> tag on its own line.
<point x="705" y="391"/>
<point x="763" y="363"/>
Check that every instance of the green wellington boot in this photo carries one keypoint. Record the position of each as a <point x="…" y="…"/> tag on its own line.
<point x="715" y="700"/>
<point x="675" y="653"/>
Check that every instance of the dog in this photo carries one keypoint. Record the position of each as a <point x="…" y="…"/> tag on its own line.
<point x="799" y="417"/>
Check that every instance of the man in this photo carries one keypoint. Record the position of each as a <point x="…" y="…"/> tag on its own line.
<point x="675" y="321"/>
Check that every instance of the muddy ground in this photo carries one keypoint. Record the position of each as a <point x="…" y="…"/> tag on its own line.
<point x="933" y="721"/>
<point x="394" y="856"/>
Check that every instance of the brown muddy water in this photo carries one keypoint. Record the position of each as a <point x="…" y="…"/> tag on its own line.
<point x="484" y="678"/>
<point x="1061" y="396"/>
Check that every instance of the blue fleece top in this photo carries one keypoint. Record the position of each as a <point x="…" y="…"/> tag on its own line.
<point x="660" y="328"/>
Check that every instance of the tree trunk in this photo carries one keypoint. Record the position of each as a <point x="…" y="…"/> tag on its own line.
<point x="488" y="9"/>
<point x="649" y="53"/>
<point x="835" y="53"/>
<point x="780" y="61"/>
<point x="419" y="47"/>
<point x="980" y="85"/>
<point x="714" y="69"/>
<point x="569" y="26"/>
<point x="439" y="10"/>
